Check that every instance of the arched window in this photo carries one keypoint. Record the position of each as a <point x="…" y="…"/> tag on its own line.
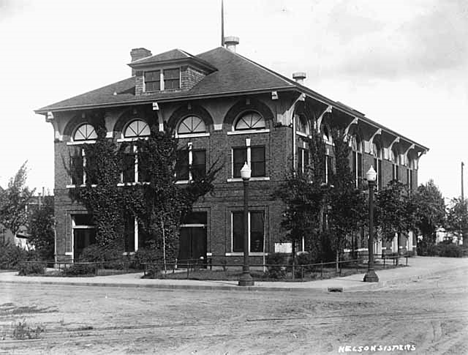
<point x="326" y="135"/>
<point x="377" y="153"/>
<point x="376" y="150"/>
<point x="302" y="125"/>
<point x="356" y="145"/>
<point x="191" y="125"/>
<point x="85" y="132"/>
<point x="250" y="120"/>
<point x="136" y="129"/>
<point x="395" y="160"/>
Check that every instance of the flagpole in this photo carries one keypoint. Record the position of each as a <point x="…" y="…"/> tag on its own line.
<point x="222" y="23"/>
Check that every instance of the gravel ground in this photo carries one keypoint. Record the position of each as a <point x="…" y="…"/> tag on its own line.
<point x="425" y="317"/>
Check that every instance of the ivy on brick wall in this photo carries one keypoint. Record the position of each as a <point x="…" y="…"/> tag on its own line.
<point x="156" y="201"/>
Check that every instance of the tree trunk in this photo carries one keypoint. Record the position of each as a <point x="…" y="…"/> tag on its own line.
<point x="337" y="261"/>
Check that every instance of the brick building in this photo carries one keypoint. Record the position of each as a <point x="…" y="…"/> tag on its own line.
<point x="221" y="105"/>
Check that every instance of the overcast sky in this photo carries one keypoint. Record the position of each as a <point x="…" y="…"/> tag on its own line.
<point x="402" y="63"/>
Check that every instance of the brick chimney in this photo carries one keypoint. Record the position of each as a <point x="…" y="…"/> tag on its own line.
<point x="231" y="43"/>
<point x="139" y="53"/>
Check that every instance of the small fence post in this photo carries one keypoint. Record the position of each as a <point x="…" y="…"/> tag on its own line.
<point x="188" y="269"/>
<point x="321" y="270"/>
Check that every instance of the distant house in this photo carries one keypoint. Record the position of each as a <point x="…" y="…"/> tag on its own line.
<point x="219" y="104"/>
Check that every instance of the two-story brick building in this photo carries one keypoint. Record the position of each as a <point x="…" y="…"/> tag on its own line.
<point x="223" y="106"/>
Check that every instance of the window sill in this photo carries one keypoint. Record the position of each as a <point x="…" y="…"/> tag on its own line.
<point x="192" y="135"/>
<point x="121" y="140"/>
<point x="260" y="178"/>
<point x="75" y="186"/>
<point x="242" y="254"/>
<point x="248" y="131"/>
<point x="81" y="142"/>
<point x="120" y="184"/>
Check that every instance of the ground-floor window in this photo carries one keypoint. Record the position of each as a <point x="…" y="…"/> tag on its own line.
<point x="84" y="233"/>
<point x="256" y="222"/>
<point x="135" y="236"/>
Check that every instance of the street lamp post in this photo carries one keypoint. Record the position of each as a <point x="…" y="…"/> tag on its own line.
<point x="371" y="276"/>
<point x="246" y="279"/>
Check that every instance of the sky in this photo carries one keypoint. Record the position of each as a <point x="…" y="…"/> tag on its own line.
<point x="402" y="63"/>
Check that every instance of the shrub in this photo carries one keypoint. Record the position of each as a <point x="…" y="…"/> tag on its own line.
<point x="153" y="272"/>
<point x="451" y="251"/>
<point x="11" y="256"/>
<point x="445" y="249"/>
<point x="31" y="268"/>
<point x="146" y="256"/>
<point x="80" y="269"/>
<point x="22" y="331"/>
<point x="275" y="264"/>
<point x="109" y="258"/>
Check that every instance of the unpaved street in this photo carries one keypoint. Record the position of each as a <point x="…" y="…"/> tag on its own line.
<point x="425" y="317"/>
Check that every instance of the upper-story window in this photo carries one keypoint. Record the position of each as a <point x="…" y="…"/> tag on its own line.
<point x="250" y="121"/>
<point x="191" y="163"/>
<point x="326" y="135"/>
<point x="153" y="80"/>
<point x="171" y="79"/>
<point x="137" y="129"/>
<point x="191" y="125"/>
<point x="166" y="79"/>
<point x="134" y="168"/>
<point x="377" y="153"/>
<point x="254" y="156"/>
<point x="303" y="125"/>
<point x="82" y="167"/>
<point x="356" y="145"/>
<point x="394" y="157"/>
<point x="85" y="132"/>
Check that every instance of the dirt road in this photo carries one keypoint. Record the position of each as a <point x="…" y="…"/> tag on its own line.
<point x="425" y="317"/>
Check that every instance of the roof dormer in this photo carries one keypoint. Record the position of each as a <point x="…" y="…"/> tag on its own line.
<point x="170" y="71"/>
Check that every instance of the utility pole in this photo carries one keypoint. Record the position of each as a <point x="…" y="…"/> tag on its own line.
<point x="462" y="196"/>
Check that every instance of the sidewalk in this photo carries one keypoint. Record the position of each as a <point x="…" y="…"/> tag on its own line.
<point x="418" y="268"/>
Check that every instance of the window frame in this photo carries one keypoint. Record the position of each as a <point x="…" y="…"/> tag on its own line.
<point x="192" y="134"/>
<point x="248" y="154"/>
<point x="240" y="234"/>
<point x="189" y="152"/>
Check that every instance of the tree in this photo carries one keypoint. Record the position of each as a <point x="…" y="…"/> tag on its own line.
<point x="347" y="214"/>
<point x="14" y="200"/>
<point x="457" y="218"/>
<point x="429" y="208"/>
<point x="394" y="211"/>
<point x="42" y="229"/>
<point x="304" y="196"/>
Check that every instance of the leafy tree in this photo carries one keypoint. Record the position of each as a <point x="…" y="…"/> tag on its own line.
<point x="304" y="197"/>
<point x="347" y="214"/>
<point x="394" y="211"/>
<point x="429" y="208"/>
<point x="42" y="229"/>
<point x="13" y="201"/>
<point x="457" y="218"/>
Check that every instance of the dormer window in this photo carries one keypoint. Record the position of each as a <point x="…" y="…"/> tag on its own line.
<point x="166" y="79"/>
<point x="153" y="80"/>
<point x="171" y="79"/>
